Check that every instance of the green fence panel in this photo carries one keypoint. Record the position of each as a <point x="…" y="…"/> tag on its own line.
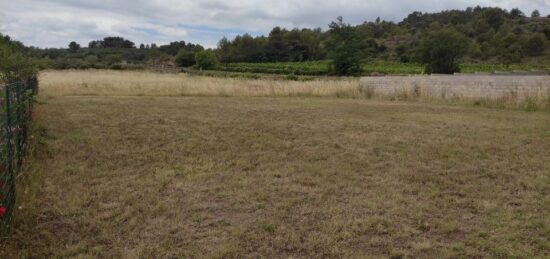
<point x="16" y="103"/>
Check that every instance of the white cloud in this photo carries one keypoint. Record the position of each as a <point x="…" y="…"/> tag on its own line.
<point x="54" y="23"/>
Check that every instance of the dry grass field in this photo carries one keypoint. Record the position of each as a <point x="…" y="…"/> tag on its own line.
<point x="151" y="176"/>
<point x="142" y="83"/>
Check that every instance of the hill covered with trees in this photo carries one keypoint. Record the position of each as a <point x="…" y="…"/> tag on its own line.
<point x="494" y="35"/>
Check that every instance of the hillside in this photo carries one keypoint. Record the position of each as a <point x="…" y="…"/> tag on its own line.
<point x="496" y="35"/>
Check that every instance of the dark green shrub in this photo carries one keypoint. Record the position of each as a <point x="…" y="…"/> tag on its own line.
<point x="113" y="59"/>
<point x="495" y="17"/>
<point x="206" y="59"/>
<point x="535" y="44"/>
<point x="185" y="58"/>
<point x="14" y="65"/>
<point x="547" y="32"/>
<point x="440" y="51"/>
<point x="116" y="66"/>
<point x="292" y="77"/>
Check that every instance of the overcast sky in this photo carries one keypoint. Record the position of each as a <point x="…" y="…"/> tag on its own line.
<point x="53" y="23"/>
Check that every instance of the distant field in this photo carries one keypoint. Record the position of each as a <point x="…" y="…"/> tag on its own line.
<point x="322" y="68"/>
<point x="225" y="84"/>
<point x="150" y="176"/>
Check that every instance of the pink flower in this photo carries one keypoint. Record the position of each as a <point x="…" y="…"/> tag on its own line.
<point x="2" y="211"/>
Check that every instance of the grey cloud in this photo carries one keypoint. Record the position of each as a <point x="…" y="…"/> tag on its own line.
<point x="54" y="22"/>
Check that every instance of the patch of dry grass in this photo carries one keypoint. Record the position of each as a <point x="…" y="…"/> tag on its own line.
<point x="196" y="177"/>
<point x="510" y="100"/>
<point x="143" y="83"/>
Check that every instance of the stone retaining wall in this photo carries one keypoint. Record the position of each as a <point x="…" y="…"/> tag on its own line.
<point x="457" y="86"/>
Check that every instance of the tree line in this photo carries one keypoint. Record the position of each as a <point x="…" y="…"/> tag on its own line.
<point x="439" y="40"/>
<point x="485" y="35"/>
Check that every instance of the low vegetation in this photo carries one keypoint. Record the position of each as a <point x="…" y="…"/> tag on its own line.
<point x="206" y="60"/>
<point x="442" y="50"/>
<point x="129" y="83"/>
<point x="14" y="64"/>
<point x="150" y="176"/>
<point x="316" y="68"/>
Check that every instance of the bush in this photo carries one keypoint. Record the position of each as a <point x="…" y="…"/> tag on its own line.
<point x="185" y="58"/>
<point x="91" y="61"/>
<point x="547" y="32"/>
<point x="14" y="66"/>
<point x="495" y="17"/>
<point x="113" y="59"/>
<point x="68" y="63"/>
<point x="116" y="67"/>
<point x="534" y="45"/>
<point x="206" y="59"/>
<point x="292" y="77"/>
<point x="441" y="50"/>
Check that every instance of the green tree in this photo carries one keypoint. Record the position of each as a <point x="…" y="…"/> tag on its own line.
<point x="185" y="58"/>
<point x="516" y="13"/>
<point x="14" y="65"/>
<point x="535" y="14"/>
<point x="494" y="17"/>
<point x="481" y="26"/>
<point x="249" y="49"/>
<point x="225" y="50"/>
<point x="535" y="44"/>
<point x="276" y="47"/>
<point x="91" y="60"/>
<point x="440" y="51"/>
<point x="206" y="59"/>
<point x="344" y="47"/>
<point x="547" y="31"/>
<point x="486" y="51"/>
<point x="111" y="42"/>
<point x="74" y="46"/>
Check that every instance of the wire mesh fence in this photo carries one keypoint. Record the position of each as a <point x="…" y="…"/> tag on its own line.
<point x="16" y="102"/>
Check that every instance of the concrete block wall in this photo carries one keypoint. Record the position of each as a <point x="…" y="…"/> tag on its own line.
<point x="461" y="86"/>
